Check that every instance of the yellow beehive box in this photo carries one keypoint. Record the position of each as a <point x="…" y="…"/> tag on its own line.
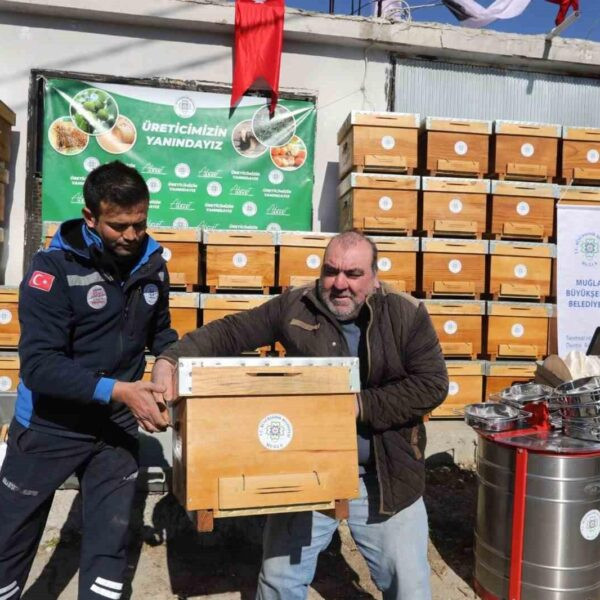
<point x="378" y="141"/>
<point x="523" y="210"/>
<point x="379" y="202"/>
<point x="9" y="371"/>
<point x="581" y="154"/>
<point x="459" y="146"/>
<point x="459" y="325"/>
<point x="518" y="329"/>
<point x="502" y="374"/>
<point x="300" y="256"/>
<point x="465" y="386"/>
<point x="246" y="440"/>
<point x="397" y="261"/>
<point x="521" y="269"/>
<point x="454" y="206"/>
<point x="239" y="259"/>
<point x="10" y="330"/>
<point x="184" y="308"/>
<point x="525" y="150"/>
<point x="454" y="267"/>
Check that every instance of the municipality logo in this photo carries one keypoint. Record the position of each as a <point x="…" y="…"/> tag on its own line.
<point x="275" y="431"/>
<point x="587" y="247"/>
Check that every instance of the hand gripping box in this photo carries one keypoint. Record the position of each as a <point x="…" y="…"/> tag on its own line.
<point x="265" y="435"/>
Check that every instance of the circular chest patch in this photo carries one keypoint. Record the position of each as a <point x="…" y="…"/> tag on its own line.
<point x="387" y="142"/>
<point x="520" y="271"/>
<point x="96" y="297"/>
<point x="151" y="293"/>
<point x="455" y="205"/>
<point x="384" y="263"/>
<point x="523" y="208"/>
<point x="275" y="432"/>
<point x="313" y="261"/>
<point x="240" y="260"/>
<point x="461" y="148"/>
<point x="590" y="524"/>
<point x="593" y="156"/>
<point x="450" y="327"/>
<point x="5" y="383"/>
<point x="455" y="266"/>
<point x="5" y="316"/>
<point x="517" y="330"/>
<point x="167" y="254"/>
<point x="527" y="150"/>
<point x="453" y="388"/>
<point x="385" y="203"/>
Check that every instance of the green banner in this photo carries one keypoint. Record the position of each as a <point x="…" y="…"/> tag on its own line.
<point x="204" y="166"/>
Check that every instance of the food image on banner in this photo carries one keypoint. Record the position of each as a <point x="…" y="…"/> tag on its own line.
<point x="204" y="166"/>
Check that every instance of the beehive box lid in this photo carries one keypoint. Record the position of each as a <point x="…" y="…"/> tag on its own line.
<point x="506" y="368"/>
<point x="455" y="307"/>
<point x="524" y="188"/>
<point x="232" y="301"/>
<point x="387" y="243"/>
<point x="308" y="239"/>
<point x="184" y="300"/>
<point x="209" y="377"/>
<point x="175" y="234"/>
<point x="454" y="246"/>
<point x="9" y="293"/>
<point x="584" y="134"/>
<point x="238" y="237"/>
<point x="578" y="195"/>
<point x="378" y="181"/>
<point x="521" y="309"/>
<point x="378" y="119"/>
<point x="504" y="248"/>
<point x="549" y="130"/>
<point x="458" y="125"/>
<point x="455" y="184"/>
<point x="465" y="367"/>
<point x="9" y="360"/>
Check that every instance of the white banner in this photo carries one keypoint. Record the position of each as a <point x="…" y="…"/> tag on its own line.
<point x="578" y="276"/>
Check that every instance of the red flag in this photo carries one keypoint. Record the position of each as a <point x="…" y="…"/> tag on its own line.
<point x="258" y="41"/>
<point x="41" y="281"/>
<point x="564" y="6"/>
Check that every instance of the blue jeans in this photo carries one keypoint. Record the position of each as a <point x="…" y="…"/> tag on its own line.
<point x="395" y="548"/>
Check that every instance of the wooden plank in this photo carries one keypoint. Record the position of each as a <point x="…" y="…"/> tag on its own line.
<point x="455" y="185"/>
<point x="231" y="303"/>
<point x="581" y="134"/>
<point x="377" y="181"/>
<point x="444" y="226"/>
<point x="522" y="249"/>
<point x="527" y="129"/>
<point x="432" y="246"/>
<point x="175" y="234"/>
<point x="459" y="125"/>
<point x="304" y="240"/>
<point x="238" y="238"/>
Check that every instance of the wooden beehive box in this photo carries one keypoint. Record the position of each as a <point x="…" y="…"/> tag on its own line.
<point x="181" y="250"/>
<point x="457" y="146"/>
<point x="525" y="150"/>
<point x="521" y="269"/>
<point x="246" y="440"/>
<point x="239" y="259"/>
<point x="379" y="203"/>
<point x="504" y="373"/>
<point x="581" y="154"/>
<point x="378" y="141"/>
<point x="7" y="121"/>
<point x="217" y="306"/>
<point x="397" y="261"/>
<point x="453" y="267"/>
<point x="10" y="329"/>
<point x="300" y="256"/>
<point x="518" y="329"/>
<point x="9" y="371"/>
<point x="184" y="308"/>
<point x="465" y="387"/>
<point x="459" y="326"/>
<point x="522" y="210"/>
<point x="454" y="207"/>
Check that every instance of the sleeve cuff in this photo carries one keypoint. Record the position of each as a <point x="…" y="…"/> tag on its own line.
<point x="103" y="390"/>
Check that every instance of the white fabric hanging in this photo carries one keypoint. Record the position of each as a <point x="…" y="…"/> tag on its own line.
<point x="476" y="15"/>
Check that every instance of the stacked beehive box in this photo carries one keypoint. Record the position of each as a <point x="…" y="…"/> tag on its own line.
<point x="7" y="121"/>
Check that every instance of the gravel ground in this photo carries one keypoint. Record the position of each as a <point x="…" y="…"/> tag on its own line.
<point x="169" y="560"/>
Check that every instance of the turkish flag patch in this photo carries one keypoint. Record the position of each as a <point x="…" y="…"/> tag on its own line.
<point x="41" y="281"/>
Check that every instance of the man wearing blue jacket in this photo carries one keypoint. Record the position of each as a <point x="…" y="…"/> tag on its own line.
<point x="88" y="306"/>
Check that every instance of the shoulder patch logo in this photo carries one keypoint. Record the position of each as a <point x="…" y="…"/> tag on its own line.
<point x="41" y="281"/>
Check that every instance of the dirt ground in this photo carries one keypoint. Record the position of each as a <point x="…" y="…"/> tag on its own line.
<point x="169" y="560"/>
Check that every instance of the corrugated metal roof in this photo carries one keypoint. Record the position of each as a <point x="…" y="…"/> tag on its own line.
<point x="443" y="89"/>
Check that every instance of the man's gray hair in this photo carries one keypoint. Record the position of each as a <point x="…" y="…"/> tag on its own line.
<point x="348" y="239"/>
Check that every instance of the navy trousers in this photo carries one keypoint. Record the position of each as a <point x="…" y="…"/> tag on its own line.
<point x="36" y="464"/>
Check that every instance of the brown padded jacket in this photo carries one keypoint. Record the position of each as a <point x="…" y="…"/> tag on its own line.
<point x="403" y="377"/>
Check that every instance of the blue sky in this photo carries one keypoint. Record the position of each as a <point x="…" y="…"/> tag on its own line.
<point x="537" y="18"/>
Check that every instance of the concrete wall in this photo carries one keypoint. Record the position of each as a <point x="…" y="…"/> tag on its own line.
<point x="344" y="61"/>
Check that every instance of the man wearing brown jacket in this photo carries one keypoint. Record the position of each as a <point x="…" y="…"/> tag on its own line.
<point x="403" y="377"/>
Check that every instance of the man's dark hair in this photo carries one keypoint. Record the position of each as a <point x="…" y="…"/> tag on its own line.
<point x="114" y="182"/>
<point x="351" y="238"/>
